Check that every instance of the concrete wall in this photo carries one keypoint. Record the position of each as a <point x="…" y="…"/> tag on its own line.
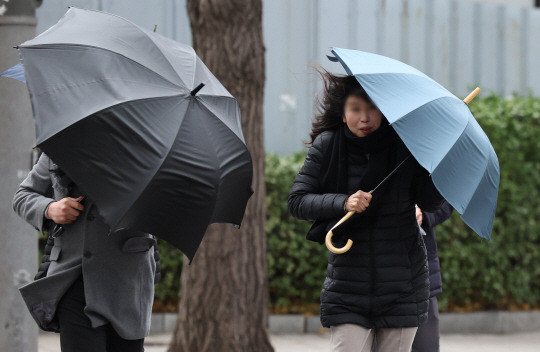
<point x="523" y="3"/>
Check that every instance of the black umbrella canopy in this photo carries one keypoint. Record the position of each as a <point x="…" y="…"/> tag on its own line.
<point x="140" y="124"/>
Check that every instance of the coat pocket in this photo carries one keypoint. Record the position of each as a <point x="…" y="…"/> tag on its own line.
<point x="138" y="244"/>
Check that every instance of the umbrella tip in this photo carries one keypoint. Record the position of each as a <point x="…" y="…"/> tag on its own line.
<point x="155" y="27"/>
<point x="332" y="58"/>
<point x="197" y="89"/>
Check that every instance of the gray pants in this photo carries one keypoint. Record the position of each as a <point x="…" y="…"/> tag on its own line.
<point x="427" y="336"/>
<point x="355" y="338"/>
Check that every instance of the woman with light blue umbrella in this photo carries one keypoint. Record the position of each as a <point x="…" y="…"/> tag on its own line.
<point x="380" y="287"/>
<point x="361" y="295"/>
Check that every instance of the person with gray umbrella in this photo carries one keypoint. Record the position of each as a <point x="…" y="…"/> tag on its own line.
<point x="147" y="134"/>
<point x="139" y="123"/>
<point x="98" y="289"/>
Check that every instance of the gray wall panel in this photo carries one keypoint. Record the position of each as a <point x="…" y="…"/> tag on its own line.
<point x="513" y="43"/>
<point x="440" y="57"/>
<point x="416" y="33"/>
<point x="488" y="43"/>
<point x="533" y="50"/>
<point x="464" y="79"/>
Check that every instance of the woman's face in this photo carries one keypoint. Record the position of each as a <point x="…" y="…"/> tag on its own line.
<point x="361" y="117"/>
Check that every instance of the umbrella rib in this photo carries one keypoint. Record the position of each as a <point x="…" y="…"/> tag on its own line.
<point x="215" y="95"/>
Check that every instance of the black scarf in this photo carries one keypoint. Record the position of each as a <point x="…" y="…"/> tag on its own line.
<point x="381" y="147"/>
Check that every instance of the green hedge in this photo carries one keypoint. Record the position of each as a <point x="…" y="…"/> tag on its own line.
<point x="167" y="290"/>
<point x="503" y="273"/>
<point x="296" y="267"/>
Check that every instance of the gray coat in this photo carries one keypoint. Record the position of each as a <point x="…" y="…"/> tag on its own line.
<point x="118" y="269"/>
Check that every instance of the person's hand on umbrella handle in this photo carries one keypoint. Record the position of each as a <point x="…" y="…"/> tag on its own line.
<point x="356" y="203"/>
<point x="65" y="211"/>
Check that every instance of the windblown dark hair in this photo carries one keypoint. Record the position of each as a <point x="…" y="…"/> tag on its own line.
<point x="330" y="105"/>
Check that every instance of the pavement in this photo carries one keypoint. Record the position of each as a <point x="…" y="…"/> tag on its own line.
<point x="314" y="342"/>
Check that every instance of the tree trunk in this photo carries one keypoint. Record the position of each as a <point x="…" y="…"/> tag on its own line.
<point x="224" y="292"/>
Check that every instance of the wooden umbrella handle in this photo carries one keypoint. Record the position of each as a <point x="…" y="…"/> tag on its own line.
<point x="471" y="96"/>
<point x="330" y="234"/>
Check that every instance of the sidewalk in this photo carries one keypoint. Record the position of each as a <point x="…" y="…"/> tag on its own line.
<point x="523" y="342"/>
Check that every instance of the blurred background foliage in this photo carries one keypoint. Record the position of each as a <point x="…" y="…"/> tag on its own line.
<point x="503" y="273"/>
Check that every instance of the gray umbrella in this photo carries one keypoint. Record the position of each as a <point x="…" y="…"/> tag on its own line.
<point x="140" y="124"/>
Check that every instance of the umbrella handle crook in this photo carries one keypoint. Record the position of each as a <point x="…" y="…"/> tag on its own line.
<point x="330" y="234"/>
<point x="471" y="96"/>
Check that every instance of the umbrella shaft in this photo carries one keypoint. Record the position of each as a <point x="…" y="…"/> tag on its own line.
<point x="390" y="174"/>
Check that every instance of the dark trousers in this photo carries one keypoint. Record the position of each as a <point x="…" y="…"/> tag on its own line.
<point x="77" y="333"/>
<point x="427" y="337"/>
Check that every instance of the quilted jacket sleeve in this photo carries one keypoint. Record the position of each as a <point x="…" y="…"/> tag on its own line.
<point x="306" y="200"/>
<point x="438" y="217"/>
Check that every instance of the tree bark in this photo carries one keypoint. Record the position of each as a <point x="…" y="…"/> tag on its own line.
<point x="224" y="292"/>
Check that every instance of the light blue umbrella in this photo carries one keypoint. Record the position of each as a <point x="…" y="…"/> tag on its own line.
<point x="16" y="72"/>
<point x="439" y="130"/>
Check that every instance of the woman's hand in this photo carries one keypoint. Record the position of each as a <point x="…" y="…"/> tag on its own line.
<point x="358" y="202"/>
<point x="65" y="211"/>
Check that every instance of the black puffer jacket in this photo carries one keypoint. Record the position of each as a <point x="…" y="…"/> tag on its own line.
<point x="382" y="282"/>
